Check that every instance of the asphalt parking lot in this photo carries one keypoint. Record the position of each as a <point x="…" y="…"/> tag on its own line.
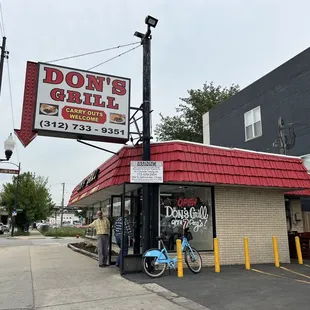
<point x="263" y="287"/>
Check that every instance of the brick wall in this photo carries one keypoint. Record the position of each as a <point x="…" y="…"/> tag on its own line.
<point x="257" y="214"/>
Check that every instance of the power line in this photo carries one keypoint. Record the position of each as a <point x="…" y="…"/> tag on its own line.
<point x="2" y="20"/>
<point x="94" y="52"/>
<point x="114" y="57"/>
<point x="11" y="102"/>
<point x="303" y="134"/>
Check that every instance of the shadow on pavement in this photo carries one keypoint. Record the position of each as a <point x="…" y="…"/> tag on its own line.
<point x="234" y="287"/>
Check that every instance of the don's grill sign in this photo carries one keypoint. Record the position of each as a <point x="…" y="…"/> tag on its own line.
<point x="146" y="172"/>
<point x="74" y="103"/>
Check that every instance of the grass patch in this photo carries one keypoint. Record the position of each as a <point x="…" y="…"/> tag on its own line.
<point x="63" y="232"/>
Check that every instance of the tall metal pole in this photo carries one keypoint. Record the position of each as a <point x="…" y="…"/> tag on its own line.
<point x="62" y="203"/>
<point x="146" y="41"/>
<point x="15" y="203"/>
<point x="4" y="54"/>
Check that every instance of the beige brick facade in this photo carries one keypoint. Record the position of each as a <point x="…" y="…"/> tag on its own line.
<point x="255" y="213"/>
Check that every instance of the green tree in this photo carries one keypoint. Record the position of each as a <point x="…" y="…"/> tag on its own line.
<point x="33" y="197"/>
<point x="187" y="124"/>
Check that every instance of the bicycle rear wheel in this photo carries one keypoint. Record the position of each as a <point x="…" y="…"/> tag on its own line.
<point x="152" y="268"/>
<point x="193" y="260"/>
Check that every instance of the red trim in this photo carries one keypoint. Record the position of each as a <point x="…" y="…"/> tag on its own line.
<point x="305" y="192"/>
<point x="198" y="163"/>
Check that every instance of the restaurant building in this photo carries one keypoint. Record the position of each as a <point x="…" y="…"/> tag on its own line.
<point x="223" y="192"/>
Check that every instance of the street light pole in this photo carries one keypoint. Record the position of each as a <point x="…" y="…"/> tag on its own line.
<point x="9" y="145"/>
<point x="62" y="203"/>
<point x="15" y="203"/>
<point x="146" y="138"/>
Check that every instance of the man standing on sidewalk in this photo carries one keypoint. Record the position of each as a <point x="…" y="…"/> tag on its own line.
<point x="102" y="226"/>
<point x="118" y="235"/>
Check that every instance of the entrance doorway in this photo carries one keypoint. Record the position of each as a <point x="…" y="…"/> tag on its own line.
<point x="133" y="205"/>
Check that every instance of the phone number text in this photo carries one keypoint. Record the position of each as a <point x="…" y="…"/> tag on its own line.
<point x="80" y="127"/>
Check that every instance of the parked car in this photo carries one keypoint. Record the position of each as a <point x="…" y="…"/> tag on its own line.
<point x="1" y="229"/>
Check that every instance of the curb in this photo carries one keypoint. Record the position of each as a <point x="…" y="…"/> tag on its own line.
<point x="75" y="249"/>
<point x="174" y="298"/>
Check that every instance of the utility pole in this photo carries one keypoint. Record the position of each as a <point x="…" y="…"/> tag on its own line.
<point x="282" y="136"/>
<point x="146" y="137"/>
<point x="15" y="202"/>
<point x="4" y="54"/>
<point x="62" y="203"/>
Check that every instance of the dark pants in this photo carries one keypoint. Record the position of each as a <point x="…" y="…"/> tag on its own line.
<point x="103" y="246"/>
<point x="125" y="248"/>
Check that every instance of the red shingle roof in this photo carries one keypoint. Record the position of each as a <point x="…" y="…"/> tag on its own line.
<point x="192" y="163"/>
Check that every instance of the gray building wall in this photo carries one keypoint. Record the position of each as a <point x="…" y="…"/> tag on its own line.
<point x="283" y="92"/>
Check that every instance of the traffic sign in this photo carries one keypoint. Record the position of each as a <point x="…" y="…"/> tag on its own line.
<point x="14" y="213"/>
<point x="19" y="210"/>
<point x="9" y="171"/>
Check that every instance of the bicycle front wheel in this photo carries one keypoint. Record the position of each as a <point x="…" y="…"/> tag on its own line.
<point x="152" y="268"/>
<point x="193" y="260"/>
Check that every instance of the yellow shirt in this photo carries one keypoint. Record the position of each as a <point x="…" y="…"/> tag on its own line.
<point x="102" y="226"/>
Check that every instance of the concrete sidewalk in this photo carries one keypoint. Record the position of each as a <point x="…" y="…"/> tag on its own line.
<point x="33" y="234"/>
<point x="39" y="277"/>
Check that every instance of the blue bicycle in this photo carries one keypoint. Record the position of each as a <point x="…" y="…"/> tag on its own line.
<point x="156" y="261"/>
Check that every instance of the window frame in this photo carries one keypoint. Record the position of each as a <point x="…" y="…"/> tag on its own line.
<point x="212" y="209"/>
<point x="252" y="122"/>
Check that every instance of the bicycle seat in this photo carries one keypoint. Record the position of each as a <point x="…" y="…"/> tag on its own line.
<point x="160" y="238"/>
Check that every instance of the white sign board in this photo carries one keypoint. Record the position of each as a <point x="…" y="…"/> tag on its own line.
<point x="81" y="104"/>
<point x="146" y="172"/>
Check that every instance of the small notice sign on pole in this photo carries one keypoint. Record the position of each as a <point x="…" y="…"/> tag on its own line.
<point x="9" y="171"/>
<point x="146" y="172"/>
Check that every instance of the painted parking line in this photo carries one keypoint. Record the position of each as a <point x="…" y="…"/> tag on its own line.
<point x="278" y="276"/>
<point x="307" y="265"/>
<point x="295" y="272"/>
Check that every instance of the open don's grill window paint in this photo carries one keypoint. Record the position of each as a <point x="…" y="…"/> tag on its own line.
<point x="181" y="204"/>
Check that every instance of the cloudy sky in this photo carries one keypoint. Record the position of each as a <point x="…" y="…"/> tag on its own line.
<point x="225" y="41"/>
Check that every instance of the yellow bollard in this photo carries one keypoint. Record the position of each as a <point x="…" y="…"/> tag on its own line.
<point x="275" y="251"/>
<point x="298" y="249"/>
<point x="216" y="255"/>
<point x="247" y="253"/>
<point x="179" y="258"/>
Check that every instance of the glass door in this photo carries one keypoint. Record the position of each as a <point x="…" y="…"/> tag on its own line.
<point x="115" y="213"/>
<point x="132" y="204"/>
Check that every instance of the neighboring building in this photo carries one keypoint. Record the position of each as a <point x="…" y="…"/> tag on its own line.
<point x="249" y="119"/>
<point x="223" y="192"/>
<point x="69" y="216"/>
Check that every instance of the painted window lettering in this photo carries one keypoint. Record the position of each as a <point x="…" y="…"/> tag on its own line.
<point x="196" y="218"/>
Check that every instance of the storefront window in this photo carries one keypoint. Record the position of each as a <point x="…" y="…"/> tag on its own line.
<point x="186" y="203"/>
